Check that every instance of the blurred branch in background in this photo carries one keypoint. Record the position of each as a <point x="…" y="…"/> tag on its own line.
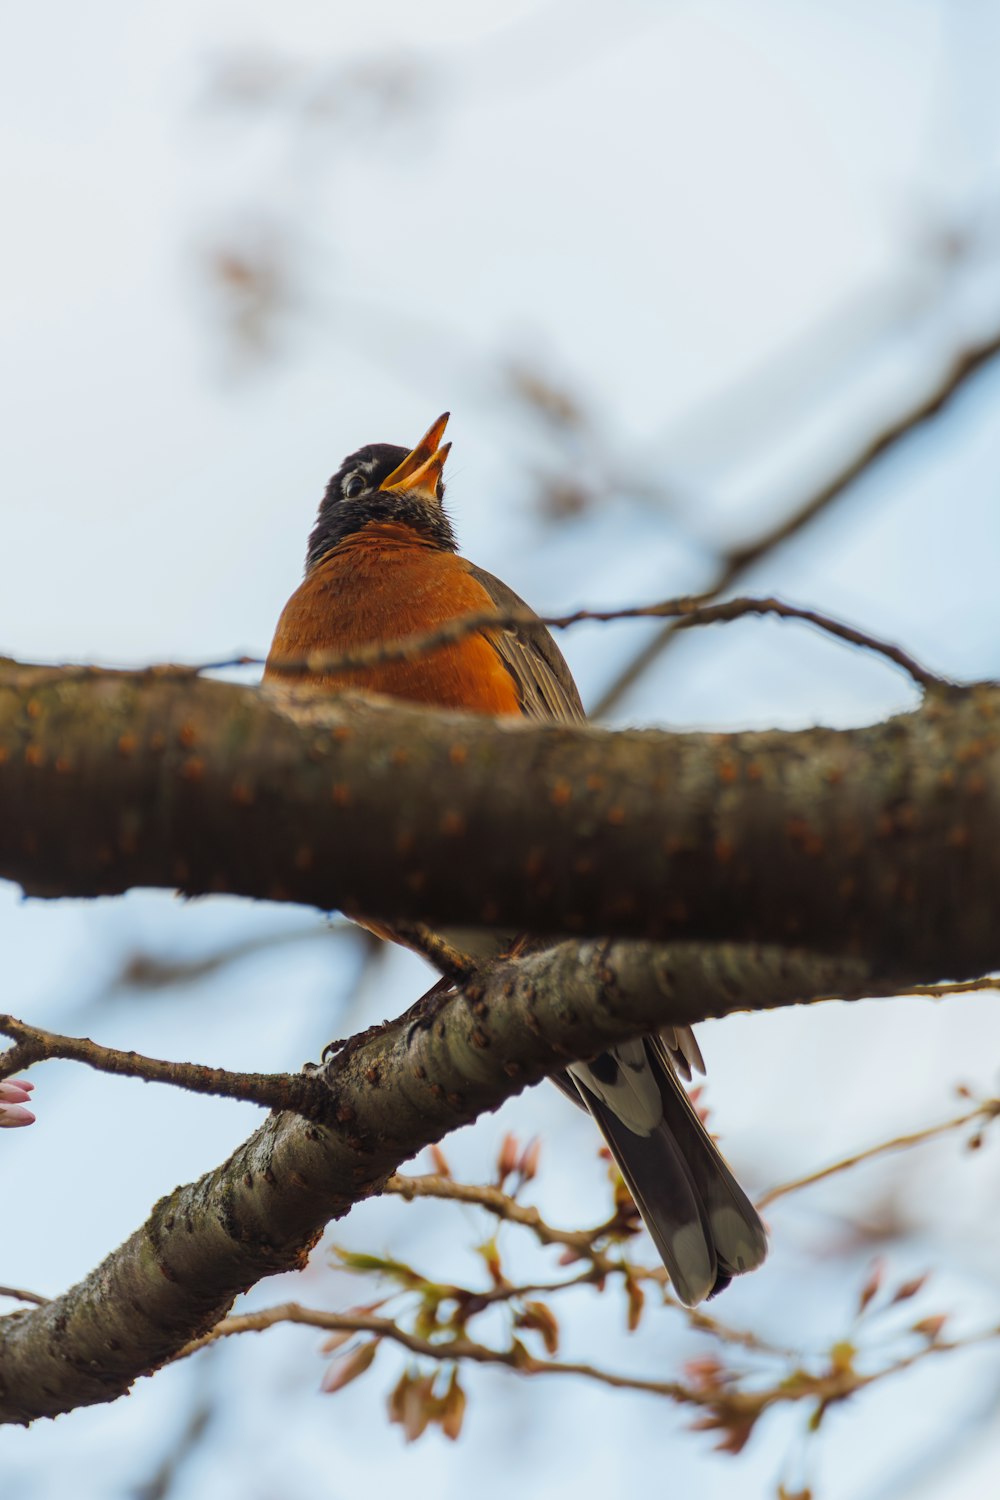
<point x="580" y="467"/>
<point x="205" y="1398"/>
<point x="982" y="1114"/>
<point x="148" y="971"/>
<point x="253" y="267"/>
<point x="142" y="974"/>
<point x="738" y="560"/>
<point x="361" y="96"/>
<point x="253" y="286"/>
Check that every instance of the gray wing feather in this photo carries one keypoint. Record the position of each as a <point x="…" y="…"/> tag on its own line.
<point x="533" y="659"/>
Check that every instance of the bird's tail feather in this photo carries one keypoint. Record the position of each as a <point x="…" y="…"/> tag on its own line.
<point x="701" y="1221"/>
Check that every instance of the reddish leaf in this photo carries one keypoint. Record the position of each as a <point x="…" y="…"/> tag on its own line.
<point x="528" y="1165"/>
<point x="507" y="1157"/>
<point x="871" y="1286"/>
<point x="705" y="1374"/>
<point x="703" y="1111"/>
<point x="337" y="1341"/>
<point x="636" y="1302"/>
<point x="543" y="1320"/>
<point x="440" y="1161"/>
<point x="453" y="1409"/>
<point x="343" y="1371"/>
<point x="909" y="1289"/>
<point x="397" y="1397"/>
<point x="930" y="1328"/>
<point x="737" y="1430"/>
<point x="418" y="1407"/>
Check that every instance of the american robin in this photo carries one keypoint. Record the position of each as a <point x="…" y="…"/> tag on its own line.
<point x="382" y="564"/>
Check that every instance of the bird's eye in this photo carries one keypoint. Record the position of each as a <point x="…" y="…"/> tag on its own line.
<point x="353" y="485"/>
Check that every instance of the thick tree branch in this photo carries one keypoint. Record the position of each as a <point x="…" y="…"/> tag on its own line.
<point x="883" y="841"/>
<point x="390" y="1096"/>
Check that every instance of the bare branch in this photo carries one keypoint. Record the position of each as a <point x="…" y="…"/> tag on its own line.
<point x="736" y="563"/>
<point x="957" y="987"/>
<point x="17" y="1294"/>
<point x="983" y="1113"/>
<point x="501" y="1205"/>
<point x="687" y="613"/>
<point x="304" y="1094"/>
<point x="153" y="971"/>
<point x="445" y="957"/>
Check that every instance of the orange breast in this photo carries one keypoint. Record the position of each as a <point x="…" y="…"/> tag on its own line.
<point x="381" y="585"/>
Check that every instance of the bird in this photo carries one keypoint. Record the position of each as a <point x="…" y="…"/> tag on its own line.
<point x="383" y="563"/>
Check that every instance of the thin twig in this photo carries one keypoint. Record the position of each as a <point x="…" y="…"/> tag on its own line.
<point x="150" y="971"/>
<point x="20" y="1295"/>
<point x="303" y="1093"/>
<point x="682" y="613"/>
<point x="516" y="1357"/>
<point x="449" y="961"/>
<point x="737" y="562"/>
<point x="732" y="1408"/>
<point x="685" y="613"/>
<point x="167" y="1475"/>
<point x="988" y="1110"/>
<point x="585" y="1243"/>
<point x="954" y="987"/>
<point x="501" y="1205"/>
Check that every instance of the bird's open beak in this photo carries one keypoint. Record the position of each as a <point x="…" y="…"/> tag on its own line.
<point x="420" y="470"/>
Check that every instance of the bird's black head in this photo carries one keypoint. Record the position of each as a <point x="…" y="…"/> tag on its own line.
<point x="383" y="483"/>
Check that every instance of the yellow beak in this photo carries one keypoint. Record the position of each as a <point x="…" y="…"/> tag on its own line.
<point x="420" y="470"/>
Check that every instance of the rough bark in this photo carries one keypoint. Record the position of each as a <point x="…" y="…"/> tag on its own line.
<point x="406" y="1086"/>
<point x="882" y="841"/>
